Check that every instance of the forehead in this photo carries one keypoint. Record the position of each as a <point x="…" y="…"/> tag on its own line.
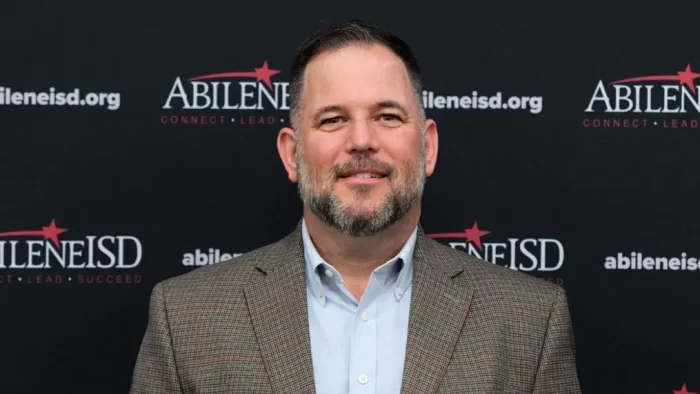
<point x="354" y="76"/>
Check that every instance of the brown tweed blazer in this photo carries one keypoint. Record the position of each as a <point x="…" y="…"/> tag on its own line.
<point x="241" y="327"/>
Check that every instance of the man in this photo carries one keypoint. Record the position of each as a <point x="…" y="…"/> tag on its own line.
<point x="357" y="299"/>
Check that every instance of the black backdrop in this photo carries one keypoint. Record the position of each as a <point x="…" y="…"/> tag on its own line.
<point x="580" y="183"/>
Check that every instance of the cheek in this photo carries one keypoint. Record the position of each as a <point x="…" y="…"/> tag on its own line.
<point x="406" y="171"/>
<point x="406" y="158"/>
<point x="318" y="170"/>
<point x="320" y="152"/>
<point x="402" y="144"/>
<point x="316" y="167"/>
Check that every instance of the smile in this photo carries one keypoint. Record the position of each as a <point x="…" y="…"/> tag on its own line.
<point x="365" y="175"/>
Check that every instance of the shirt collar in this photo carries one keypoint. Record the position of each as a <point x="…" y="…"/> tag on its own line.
<point x="313" y="260"/>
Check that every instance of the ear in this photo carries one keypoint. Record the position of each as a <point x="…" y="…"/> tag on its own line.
<point x="431" y="146"/>
<point x="286" y="147"/>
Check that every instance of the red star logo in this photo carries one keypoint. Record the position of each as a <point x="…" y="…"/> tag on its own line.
<point x="684" y="390"/>
<point x="685" y="77"/>
<point x="262" y="73"/>
<point x="50" y="232"/>
<point x="473" y="234"/>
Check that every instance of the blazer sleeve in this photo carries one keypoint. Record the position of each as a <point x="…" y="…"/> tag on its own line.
<point x="556" y="372"/>
<point x="156" y="370"/>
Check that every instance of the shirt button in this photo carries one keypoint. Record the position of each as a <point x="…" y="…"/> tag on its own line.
<point x="329" y="273"/>
<point x="364" y="317"/>
<point x="363" y="379"/>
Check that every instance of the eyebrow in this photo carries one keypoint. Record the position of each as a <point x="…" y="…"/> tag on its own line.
<point x="391" y="104"/>
<point x="328" y="108"/>
<point x="386" y="104"/>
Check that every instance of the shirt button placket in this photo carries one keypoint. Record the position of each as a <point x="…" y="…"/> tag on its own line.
<point x="363" y="357"/>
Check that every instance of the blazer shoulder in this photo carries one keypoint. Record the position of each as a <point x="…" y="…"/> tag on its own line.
<point x="233" y="273"/>
<point x="484" y="274"/>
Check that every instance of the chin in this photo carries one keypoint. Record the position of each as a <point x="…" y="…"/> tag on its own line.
<point x="363" y="210"/>
<point x="364" y="193"/>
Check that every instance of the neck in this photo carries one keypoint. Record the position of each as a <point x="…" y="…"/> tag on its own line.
<point x="357" y="257"/>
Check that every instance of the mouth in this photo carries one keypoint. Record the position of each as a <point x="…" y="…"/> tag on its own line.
<point x="363" y="173"/>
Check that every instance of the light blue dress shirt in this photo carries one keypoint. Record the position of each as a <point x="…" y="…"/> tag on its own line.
<point x="358" y="346"/>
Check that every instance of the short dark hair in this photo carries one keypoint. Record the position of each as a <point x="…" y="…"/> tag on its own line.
<point x="340" y="36"/>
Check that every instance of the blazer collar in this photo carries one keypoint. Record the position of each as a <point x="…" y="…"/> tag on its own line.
<point x="293" y="246"/>
<point x="278" y="310"/>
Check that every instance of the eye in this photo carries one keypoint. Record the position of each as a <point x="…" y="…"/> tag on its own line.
<point x="390" y="119"/>
<point x="331" y="121"/>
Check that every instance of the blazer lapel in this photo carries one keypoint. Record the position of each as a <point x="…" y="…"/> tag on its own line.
<point x="278" y="310"/>
<point x="439" y="308"/>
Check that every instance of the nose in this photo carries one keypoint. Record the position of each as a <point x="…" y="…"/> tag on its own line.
<point x="362" y="136"/>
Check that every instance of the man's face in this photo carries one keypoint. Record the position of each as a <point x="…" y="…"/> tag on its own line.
<point x="360" y="153"/>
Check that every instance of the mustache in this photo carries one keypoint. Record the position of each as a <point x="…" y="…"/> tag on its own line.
<point x="364" y="162"/>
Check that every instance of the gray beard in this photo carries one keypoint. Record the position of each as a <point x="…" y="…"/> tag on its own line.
<point x="333" y="213"/>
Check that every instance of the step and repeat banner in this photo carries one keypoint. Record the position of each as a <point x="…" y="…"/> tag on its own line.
<point x="138" y="143"/>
